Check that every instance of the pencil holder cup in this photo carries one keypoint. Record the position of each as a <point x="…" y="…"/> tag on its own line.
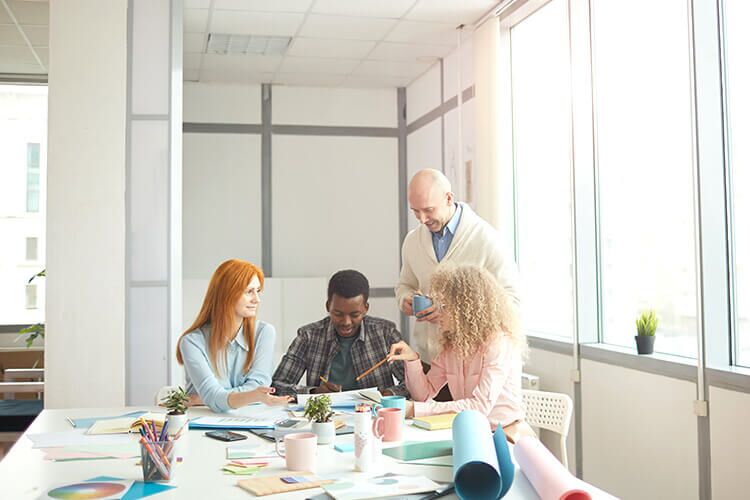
<point x="158" y="460"/>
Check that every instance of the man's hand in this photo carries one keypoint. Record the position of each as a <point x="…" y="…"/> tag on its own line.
<point x="325" y="387"/>
<point x="406" y="306"/>
<point x="401" y="351"/>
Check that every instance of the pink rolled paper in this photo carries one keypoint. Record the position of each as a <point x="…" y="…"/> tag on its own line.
<point x="550" y="479"/>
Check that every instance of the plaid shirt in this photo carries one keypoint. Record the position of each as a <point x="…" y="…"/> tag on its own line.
<point x="317" y="344"/>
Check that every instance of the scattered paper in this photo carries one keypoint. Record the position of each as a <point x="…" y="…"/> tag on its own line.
<point x="76" y="437"/>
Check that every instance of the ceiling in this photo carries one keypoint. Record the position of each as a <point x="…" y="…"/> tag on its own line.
<point x="348" y="43"/>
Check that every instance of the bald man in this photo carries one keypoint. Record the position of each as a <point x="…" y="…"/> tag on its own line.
<point x="448" y="232"/>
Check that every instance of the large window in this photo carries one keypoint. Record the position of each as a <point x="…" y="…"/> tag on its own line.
<point x="542" y="160"/>
<point x="23" y="138"/>
<point x="737" y="39"/>
<point x="641" y="78"/>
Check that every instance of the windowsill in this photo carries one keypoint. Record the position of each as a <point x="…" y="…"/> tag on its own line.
<point x="735" y="378"/>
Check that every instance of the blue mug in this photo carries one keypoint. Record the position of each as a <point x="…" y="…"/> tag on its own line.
<point x="391" y="402"/>
<point x="419" y="303"/>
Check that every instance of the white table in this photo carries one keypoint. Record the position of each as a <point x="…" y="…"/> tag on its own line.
<point x="24" y="474"/>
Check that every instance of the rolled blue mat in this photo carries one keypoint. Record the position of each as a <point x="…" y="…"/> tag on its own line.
<point x="504" y="461"/>
<point x="476" y="472"/>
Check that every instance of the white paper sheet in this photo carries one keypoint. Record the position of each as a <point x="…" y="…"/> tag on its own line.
<point x="76" y="437"/>
<point x="345" y="398"/>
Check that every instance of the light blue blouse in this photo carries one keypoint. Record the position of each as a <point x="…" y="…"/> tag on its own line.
<point x="214" y="390"/>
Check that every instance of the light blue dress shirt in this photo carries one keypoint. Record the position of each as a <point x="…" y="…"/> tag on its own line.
<point x="214" y="390"/>
<point x="441" y="241"/>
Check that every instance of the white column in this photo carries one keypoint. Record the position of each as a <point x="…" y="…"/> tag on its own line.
<point x="153" y="201"/>
<point x="114" y="202"/>
<point x="85" y="314"/>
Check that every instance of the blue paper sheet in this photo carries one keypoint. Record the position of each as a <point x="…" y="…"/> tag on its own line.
<point x="482" y="467"/>
<point x="85" y="423"/>
<point x="139" y="488"/>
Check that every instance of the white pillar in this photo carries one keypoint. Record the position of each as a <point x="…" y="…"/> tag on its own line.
<point x="85" y="314"/>
<point x="114" y="202"/>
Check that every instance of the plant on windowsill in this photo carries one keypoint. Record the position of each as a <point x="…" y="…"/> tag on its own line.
<point x="646" y="325"/>
<point x="318" y="409"/>
<point x="34" y="331"/>
<point x="176" y="402"/>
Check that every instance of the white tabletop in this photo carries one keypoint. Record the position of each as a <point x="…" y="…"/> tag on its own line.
<point x="25" y="474"/>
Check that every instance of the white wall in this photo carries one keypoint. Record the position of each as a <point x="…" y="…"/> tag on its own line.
<point x="730" y="443"/>
<point x="639" y="433"/>
<point x="334" y="198"/>
<point x="553" y="370"/>
<point x="436" y="144"/>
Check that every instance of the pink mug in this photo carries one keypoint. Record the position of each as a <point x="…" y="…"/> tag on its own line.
<point x="388" y="424"/>
<point x="299" y="450"/>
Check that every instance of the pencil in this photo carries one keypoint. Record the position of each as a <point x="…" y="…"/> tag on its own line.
<point x="368" y="371"/>
<point x="323" y="379"/>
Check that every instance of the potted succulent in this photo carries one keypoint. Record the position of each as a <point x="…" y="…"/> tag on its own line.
<point x="318" y="409"/>
<point x="176" y="402"/>
<point x="646" y="326"/>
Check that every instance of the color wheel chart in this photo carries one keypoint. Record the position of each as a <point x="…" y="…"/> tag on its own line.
<point x="95" y="490"/>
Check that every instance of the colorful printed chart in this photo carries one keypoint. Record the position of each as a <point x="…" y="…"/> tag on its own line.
<point x="94" y="490"/>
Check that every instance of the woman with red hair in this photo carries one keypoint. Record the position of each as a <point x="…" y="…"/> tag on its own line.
<point x="226" y="353"/>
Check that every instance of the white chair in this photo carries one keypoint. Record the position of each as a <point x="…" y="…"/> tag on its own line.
<point x="551" y="411"/>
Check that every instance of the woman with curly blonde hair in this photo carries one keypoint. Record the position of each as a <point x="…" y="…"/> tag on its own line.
<point x="482" y="354"/>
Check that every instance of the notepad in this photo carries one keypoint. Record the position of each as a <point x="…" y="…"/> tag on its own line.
<point x="125" y="424"/>
<point x="262" y="486"/>
<point x="210" y="422"/>
<point x="435" y="422"/>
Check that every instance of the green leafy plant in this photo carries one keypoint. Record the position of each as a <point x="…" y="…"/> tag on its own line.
<point x="647" y="323"/>
<point x="176" y="401"/>
<point x="34" y="331"/>
<point x="318" y="408"/>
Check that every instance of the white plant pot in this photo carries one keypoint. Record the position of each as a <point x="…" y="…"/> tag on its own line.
<point x="325" y="432"/>
<point x="175" y="423"/>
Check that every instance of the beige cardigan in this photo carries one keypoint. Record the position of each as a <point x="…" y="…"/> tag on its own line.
<point x="475" y="242"/>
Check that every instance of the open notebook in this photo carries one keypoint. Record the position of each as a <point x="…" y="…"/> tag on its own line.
<point x="123" y="425"/>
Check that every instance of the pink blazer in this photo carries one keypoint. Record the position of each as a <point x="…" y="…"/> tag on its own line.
<point x="490" y="382"/>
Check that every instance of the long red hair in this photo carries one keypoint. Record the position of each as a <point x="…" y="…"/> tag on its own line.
<point x="227" y="285"/>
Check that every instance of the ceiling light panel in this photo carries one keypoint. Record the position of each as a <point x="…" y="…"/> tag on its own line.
<point x="225" y="44"/>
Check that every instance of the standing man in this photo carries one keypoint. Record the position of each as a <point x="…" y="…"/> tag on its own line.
<point x="449" y="231"/>
<point x="332" y="352"/>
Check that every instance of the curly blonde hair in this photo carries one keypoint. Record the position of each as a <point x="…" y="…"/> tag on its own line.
<point x="477" y="309"/>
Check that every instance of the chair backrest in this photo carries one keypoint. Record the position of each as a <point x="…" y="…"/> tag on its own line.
<point x="548" y="410"/>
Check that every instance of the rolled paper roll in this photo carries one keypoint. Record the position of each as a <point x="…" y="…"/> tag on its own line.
<point x="476" y="473"/>
<point x="549" y="477"/>
<point x="504" y="460"/>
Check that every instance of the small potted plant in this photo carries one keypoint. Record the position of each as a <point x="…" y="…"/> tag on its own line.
<point x="318" y="409"/>
<point x="176" y="402"/>
<point x="646" y="326"/>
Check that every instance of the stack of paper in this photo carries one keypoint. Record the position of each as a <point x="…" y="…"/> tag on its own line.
<point x="345" y="399"/>
<point x="243" y="467"/>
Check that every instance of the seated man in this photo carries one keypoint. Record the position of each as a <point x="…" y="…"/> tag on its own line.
<point x="342" y="346"/>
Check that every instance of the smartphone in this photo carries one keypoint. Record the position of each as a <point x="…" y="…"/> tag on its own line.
<point x="288" y="423"/>
<point x="226" y="435"/>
